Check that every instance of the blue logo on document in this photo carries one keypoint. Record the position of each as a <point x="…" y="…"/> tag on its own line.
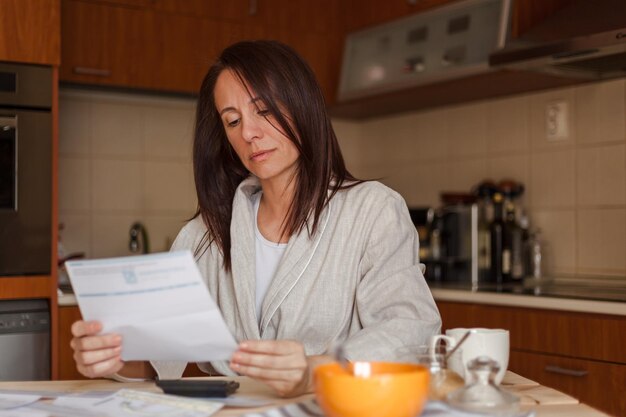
<point x="129" y="276"/>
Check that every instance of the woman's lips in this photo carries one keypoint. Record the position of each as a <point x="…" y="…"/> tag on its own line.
<point x="261" y="155"/>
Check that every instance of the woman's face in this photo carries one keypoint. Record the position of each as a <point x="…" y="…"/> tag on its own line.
<point x="263" y="149"/>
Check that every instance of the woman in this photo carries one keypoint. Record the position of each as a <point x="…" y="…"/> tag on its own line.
<point x="297" y="252"/>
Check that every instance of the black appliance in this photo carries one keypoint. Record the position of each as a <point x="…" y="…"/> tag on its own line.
<point x="25" y="169"/>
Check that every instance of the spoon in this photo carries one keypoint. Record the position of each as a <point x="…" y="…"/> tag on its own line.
<point x="357" y="369"/>
<point x="456" y="347"/>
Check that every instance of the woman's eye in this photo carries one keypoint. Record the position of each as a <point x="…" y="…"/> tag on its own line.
<point x="263" y="113"/>
<point x="233" y="123"/>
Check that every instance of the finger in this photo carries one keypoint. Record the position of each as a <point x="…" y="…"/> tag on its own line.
<point x="95" y="356"/>
<point x="294" y="360"/>
<point x="104" y="341"/>
<point x="101" y="369"/>
<point x="271" y="347"/>
<point x="86" y="328"/>
<point x="268" y="375"/>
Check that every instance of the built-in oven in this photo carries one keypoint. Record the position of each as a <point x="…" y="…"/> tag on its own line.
<point x="25" y="169"/>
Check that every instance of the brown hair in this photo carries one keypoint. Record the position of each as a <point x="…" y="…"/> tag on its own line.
<point x="279" y="77"/>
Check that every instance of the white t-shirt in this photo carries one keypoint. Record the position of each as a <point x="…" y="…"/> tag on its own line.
<point x="267" y="256"/>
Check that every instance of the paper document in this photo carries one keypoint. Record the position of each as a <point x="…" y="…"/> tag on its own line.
<point x="157" y="302"/>
<point x="136" y="403"/>
<point x="8" y="401"/>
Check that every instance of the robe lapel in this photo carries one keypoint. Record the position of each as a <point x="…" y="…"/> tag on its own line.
<point x="243" y="258"/>
<point x="296" y="258"/>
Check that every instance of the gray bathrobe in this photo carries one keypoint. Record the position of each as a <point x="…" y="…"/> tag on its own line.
<point x="357" y="280"/>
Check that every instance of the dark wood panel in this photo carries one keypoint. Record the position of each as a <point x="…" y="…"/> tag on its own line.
<point x="598" y="384"/>
<point x="576" y="335"/>
<point x="67" y="365"/>
<point x="30" y="31"/>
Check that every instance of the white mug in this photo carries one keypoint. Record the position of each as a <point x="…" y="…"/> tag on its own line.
<point x="481" y="342"/>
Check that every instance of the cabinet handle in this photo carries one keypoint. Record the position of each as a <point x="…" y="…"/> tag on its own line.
<point x="92" y="71"/>
<point x="564" y="371"/>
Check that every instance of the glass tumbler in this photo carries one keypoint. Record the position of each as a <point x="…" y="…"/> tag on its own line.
<point x="442" y="379"/>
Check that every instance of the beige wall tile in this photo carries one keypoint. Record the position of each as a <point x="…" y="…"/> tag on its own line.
<point x="74" y="125"/>
<point x="516" y="167"/>
<point x="558" y="237"/>
<point x="538" y="104"/>
<point x="507" y="125"/>
<point x="461" y="176"/>
<point x="401" y="142"/>
<point x="430" y="135"/>
<point x="381" y="144"/>
<point x="467" y="130"/>
<point x="111" y="234"/>
<point x="168" y="186"/>
<point x="601" y="241"/>
<point x="76" y="233"/>
<point x="350" y="141"/>
<point x="118" y="129"/>
<point x="601" y="175"/>
<point x="371" y="151"/>
<point x="552" y="181"/>
<point x="419" y="184"/>
<point x="162" y="230"/>
<point x="117" y="185"/>
<point x="169" y="132"/>
<point x="74" y="183"/>
<point x="600" y="112"/>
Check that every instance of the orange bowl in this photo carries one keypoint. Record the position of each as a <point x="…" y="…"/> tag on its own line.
<point x="390" y="390"/>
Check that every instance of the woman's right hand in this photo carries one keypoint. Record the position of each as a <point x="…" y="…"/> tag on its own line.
<point x="95" y="355"/>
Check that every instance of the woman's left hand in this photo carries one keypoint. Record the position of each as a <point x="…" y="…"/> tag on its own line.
<point x="281" y="364"/>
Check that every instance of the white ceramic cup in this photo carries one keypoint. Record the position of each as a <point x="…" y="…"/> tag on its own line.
<point x="481" y="342"/>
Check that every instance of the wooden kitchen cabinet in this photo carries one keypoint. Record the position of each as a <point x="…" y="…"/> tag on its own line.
<point x="30" y="31"/>
<point x="169" y="46"/>
<point x="600" y="384"/>
<point x="66" y="366"/>
<point x="581" y="354"/>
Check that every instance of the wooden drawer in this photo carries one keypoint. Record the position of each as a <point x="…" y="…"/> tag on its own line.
<point x="581" y="335"/>
<point x="599" y="384"/>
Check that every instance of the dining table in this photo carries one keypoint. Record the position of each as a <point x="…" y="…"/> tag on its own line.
<point x="544" y="401"/>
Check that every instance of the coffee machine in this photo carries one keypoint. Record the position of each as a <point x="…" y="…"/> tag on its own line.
<point x="450" y="249"/>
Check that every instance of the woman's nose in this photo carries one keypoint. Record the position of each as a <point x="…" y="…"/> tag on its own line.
<point x="251" y="130"/>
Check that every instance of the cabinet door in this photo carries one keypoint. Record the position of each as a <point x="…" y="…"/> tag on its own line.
<point x="30" y="31"/>
<point x="360" y="14"/>
<point x="592" y="336"/>
<point x="599" y="384"/>
<point x="101" y="43"/>
<point x="67" y="365"/>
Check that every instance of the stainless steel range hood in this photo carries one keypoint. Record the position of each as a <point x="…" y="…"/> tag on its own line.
<point x="583" y="41"/>
<point x="586" y="40"/>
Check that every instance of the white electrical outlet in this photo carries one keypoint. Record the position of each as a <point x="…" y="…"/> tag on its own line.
<point x="557" y="120"/>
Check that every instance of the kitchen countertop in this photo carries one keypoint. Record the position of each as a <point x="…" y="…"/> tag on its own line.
<point x="519" y="297"/>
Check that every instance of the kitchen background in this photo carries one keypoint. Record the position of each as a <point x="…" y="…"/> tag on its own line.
<point x="126" y="157"/>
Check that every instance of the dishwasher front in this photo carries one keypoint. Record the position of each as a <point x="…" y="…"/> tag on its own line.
<point x="24" y="340"/>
